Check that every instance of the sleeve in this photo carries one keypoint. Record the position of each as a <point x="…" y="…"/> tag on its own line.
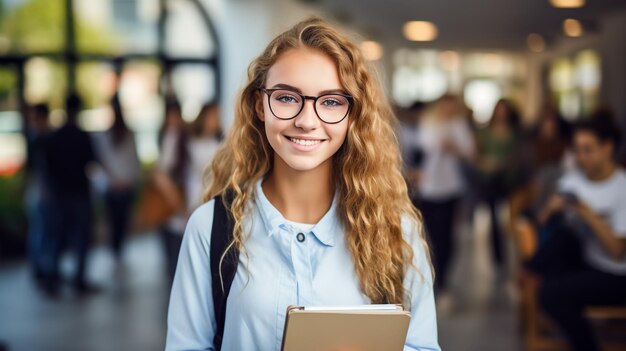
<point x="428" y="138"/>
<point x="568" y="182"/>
<point x="166" y="160"/>
<point x="136" y="171"/>
<point x="465" y="140"/>
<point x="618" y="222"/>
<point x="191" y="318"/>
<point x="422" y="334"/>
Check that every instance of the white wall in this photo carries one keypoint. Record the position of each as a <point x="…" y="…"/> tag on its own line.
<point x="245" y="27"/>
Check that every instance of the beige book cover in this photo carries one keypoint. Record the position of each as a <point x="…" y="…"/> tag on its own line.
<point x="346" y="328"/>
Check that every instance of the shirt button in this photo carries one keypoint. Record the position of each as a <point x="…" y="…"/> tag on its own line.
<point x="300" y="237"/>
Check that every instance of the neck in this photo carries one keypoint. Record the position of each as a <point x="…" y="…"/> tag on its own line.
<point x="300" y="196"/>
<point x="603" y="173"/>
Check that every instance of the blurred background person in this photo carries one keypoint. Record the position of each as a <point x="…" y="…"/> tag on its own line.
<point x="117" y="152"/>
<point x="170" y="178"/>
<point x="471" y="195"/>
<point x="583" y="262"/>
<point x="548" y="158"/>
<point x="412" y="153"/>
<point x="499" y="168"/>
<point x="605" y="113"/>
<point x="550" y="140"/>
<point x="37" y="129"/>
<point x="206" y="138"/>
<point x="69" y="217"/>
<point x="446" y="140"/>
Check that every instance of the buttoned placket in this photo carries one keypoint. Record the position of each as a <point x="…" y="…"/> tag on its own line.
<point x="301" y="260"/>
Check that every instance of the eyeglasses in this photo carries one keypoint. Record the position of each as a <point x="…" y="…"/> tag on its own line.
<point x="287" y="104"/>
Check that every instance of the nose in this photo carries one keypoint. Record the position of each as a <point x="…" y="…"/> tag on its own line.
<point x="307" y="119"/>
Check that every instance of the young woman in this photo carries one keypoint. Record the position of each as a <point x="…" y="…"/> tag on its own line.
<point x="448" y="144"/>
<point x="204" y="141"/>
<point x="321" y="211"/>
<point x="170" y="177"/>
<point x="116" y="149"/>
<point x="499" y="169"/>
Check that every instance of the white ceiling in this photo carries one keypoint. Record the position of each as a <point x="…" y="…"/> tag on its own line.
<point x="465" y="24"/>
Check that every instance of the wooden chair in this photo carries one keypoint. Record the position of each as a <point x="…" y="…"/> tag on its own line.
<point x="539" y="333"/>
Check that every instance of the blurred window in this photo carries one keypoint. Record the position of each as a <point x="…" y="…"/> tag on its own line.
<point x="142" y="105"/>
<point x="186" y="79"/>
<point x="575" y="83"/>
<point x="143" y="49"/>
<point x="481" y="95"/>
<point x="12" y="143"/>
<point x="425" y="75"/>
<point x="420" y="76"/>
<point x="185" y="21"/>
<point x="32" y="26"/>
<point x="117" y="26"/>
<point x="45" y="81"/>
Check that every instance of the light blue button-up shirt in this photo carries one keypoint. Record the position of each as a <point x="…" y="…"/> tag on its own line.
<point x="281" y="271"/>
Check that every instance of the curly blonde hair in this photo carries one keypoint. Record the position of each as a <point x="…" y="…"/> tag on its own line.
<point x="372" y="193"/>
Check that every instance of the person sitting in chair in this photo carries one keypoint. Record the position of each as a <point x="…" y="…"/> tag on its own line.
<point x="583" y="262"/>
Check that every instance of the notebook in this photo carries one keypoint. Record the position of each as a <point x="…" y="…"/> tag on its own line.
<point x="339" y="328"/>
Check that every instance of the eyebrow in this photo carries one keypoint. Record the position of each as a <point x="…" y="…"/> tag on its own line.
<point x="297" y="90"/>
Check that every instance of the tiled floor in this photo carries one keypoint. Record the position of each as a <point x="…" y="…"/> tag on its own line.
<point x="129" y="314"/>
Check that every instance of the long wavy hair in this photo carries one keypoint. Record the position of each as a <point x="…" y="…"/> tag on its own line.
<point x="372" y="193"/>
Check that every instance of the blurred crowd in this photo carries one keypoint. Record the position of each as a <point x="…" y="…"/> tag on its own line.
<point x="63" y="165"/>
<point x="551" y="180"/>
<point x="560" y="187"/>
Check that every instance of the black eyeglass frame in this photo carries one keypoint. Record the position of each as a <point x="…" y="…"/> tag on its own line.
<point x="269" y="92"/>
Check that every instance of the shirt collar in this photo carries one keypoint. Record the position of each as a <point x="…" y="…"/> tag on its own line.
<point x="325" y="230"/>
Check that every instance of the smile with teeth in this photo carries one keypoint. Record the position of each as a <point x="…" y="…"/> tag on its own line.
<point x="304" y="142"/>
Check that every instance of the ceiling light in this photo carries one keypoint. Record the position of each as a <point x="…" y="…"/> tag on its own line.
<point x="536" y="43"/>
<point x="567" y="4"/>
<point x="372" y="51"/>
<point x="420" y="31"/>
<point x="572" y="27"/>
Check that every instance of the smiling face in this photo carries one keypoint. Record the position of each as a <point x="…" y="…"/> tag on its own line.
<point x="305" y="142"/>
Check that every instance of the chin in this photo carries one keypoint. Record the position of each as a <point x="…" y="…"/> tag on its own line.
<point x="302" y="165"/>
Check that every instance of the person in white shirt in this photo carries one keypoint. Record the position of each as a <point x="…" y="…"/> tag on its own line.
<point x="205" y="140"/>
<point x="446" y="141"/>
<point x="583" y="262"/>
<point x="170" y="177"/>
<point x="117" y="153"/>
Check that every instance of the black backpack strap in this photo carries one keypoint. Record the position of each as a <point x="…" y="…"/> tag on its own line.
<point x="221" y="237"/>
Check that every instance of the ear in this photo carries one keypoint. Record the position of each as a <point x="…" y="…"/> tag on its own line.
<point x="258" y="106"/>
